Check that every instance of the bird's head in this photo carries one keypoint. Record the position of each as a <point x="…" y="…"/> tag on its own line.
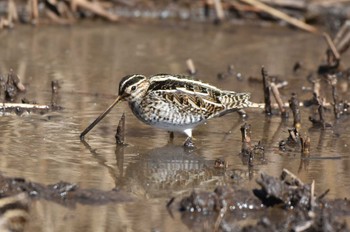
<point x="133" y="87"/>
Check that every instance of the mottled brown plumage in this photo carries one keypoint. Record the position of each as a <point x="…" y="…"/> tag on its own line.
<point x="175" y="102"/>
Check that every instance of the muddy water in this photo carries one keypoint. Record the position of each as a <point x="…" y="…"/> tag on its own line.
<point x="89" y="61"/>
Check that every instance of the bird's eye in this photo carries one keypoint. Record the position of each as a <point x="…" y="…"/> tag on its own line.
<point x="133" y="88"/>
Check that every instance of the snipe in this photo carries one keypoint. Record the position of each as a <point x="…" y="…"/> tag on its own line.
<point x="174" y="102"/>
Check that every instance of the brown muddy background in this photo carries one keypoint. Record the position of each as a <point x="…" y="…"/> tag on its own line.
<point x="89" y="60"/>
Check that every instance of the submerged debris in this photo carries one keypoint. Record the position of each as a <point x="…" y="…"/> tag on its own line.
<point x="249" y="152"/>
<point x="292" y="143"/>
<point x="212" y="202"/>
<point x="10" y="88"/>
<point x="220" y="164"/>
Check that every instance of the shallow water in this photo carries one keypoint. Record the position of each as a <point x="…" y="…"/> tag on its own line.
<point x="90" y="59"/>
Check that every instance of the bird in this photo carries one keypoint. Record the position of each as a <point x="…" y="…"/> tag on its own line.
<point x="14" y="212"/>
<point x="176" y="103"/>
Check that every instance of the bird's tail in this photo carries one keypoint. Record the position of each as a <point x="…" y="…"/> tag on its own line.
<point x="257" y="105"/>
<point x="234" y="100"/>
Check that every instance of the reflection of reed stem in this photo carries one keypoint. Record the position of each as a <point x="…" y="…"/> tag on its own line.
<point x="305" y="146"/>
<point x="220" y="217"/>
<point x="219" y="10"/>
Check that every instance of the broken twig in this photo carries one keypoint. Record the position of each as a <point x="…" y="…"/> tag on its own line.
<point x="190" y="67"/>
<point x="10" y="106"/>
<point x="120" y="134"/>
<point x="266" y="87"/>
<point x="276" y="94"/>
<point x="294" y="106"/>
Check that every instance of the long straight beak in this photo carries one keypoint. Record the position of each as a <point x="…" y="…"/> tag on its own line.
<point x="99" y="118"/>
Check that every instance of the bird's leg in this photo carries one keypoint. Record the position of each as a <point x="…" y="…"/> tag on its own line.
<point x="188" y="142"/>
<point x="242" y="113"/>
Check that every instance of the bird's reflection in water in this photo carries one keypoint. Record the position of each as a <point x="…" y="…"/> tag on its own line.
<point x="170" y="168"/>
<point x="160" y="171"/>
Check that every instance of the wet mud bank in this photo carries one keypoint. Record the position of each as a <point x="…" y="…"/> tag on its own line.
<point x="17" y="195"/>
<point x="67" y="194"/>
<point x="281" y="204"/>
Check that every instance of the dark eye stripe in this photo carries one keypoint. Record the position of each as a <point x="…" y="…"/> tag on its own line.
<point x="128" y="81"/>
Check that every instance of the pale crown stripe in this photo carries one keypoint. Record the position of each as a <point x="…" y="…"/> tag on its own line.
<point x="164" y="78"/>
<point x="127" y="80"/>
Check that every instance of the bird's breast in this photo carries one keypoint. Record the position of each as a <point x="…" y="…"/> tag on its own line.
<point x="166" y="115"/>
